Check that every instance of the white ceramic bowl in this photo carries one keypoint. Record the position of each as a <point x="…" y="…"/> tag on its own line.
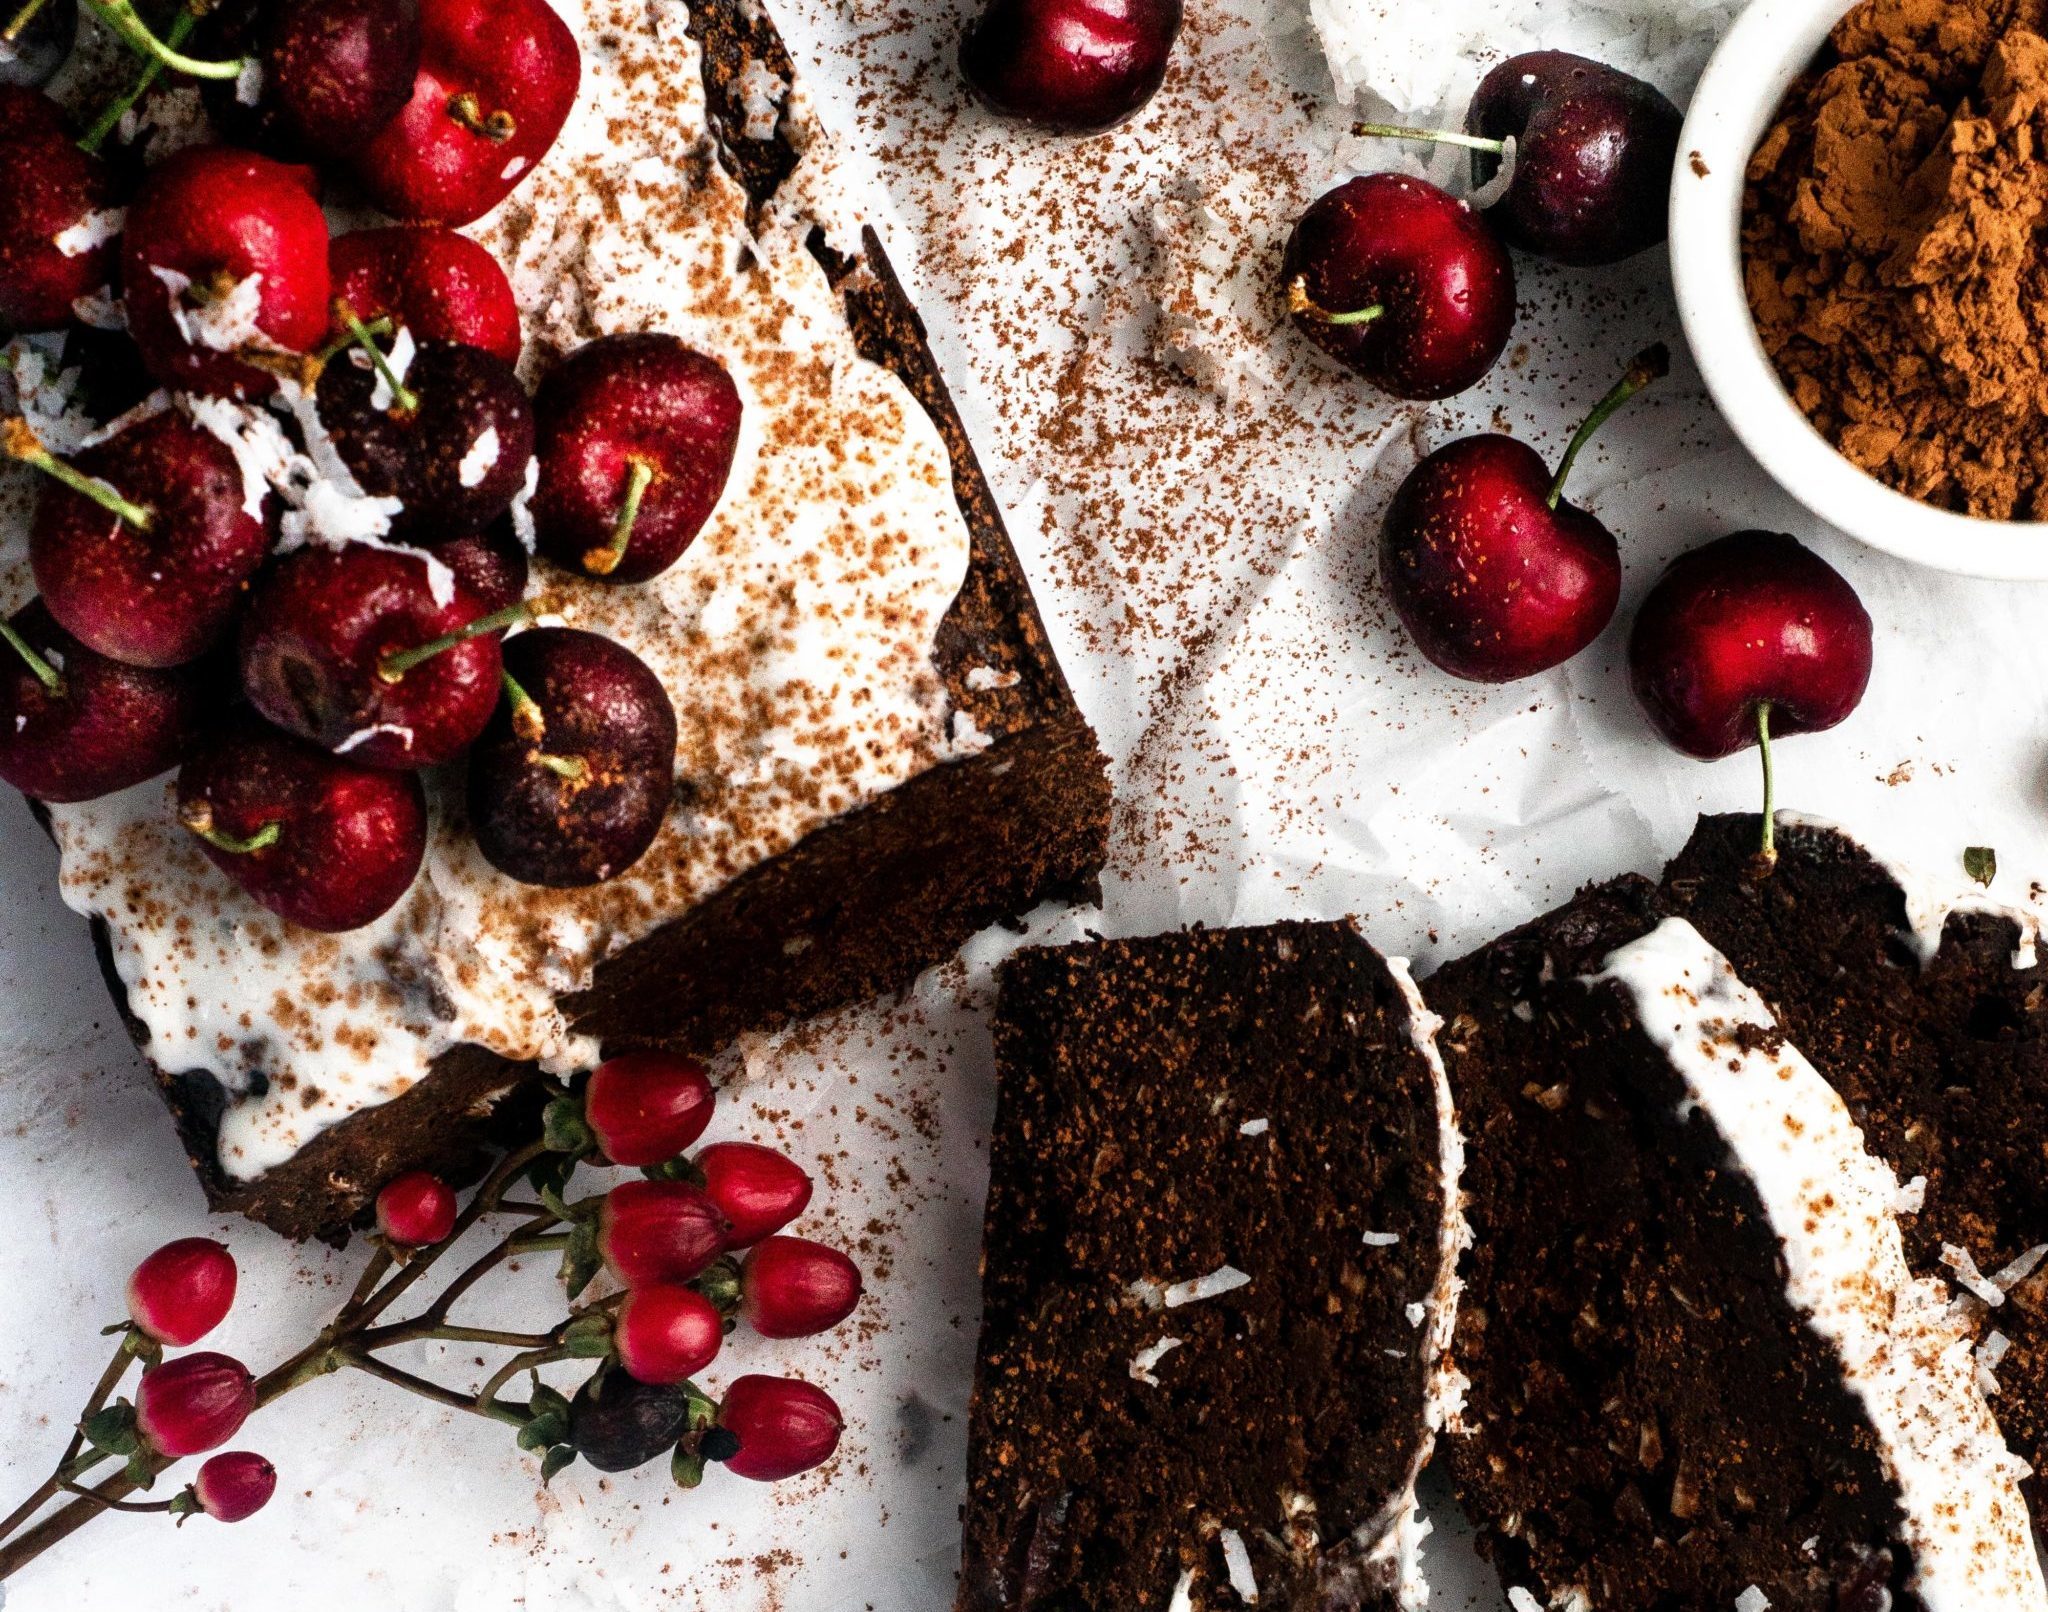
<point x="1768" y="47"/>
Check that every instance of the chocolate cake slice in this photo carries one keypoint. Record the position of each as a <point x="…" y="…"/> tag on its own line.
<point x="1924" y="1004"/>
<point x="846" y="889"/>
<point x="1702" y="1373"/>
<point x="1218" y="1278"/>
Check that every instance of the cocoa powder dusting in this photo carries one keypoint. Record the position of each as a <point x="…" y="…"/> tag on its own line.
<point x="1892" y="248"/>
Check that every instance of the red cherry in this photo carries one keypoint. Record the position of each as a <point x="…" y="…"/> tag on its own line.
<point x="666" y="1333"/>
<point x="75" y="725"/>
<point x="321" y="841"/>
<point x="1402" y="283"/>
<point x="417" y="1210"/>
<point x="334" y="72"/>
<point x="52" y="200"/>
<point x="1075" y="66"/>
<point x="646" y="1107"/>
<point x="157" y="582"/>
<point x="791" y="1288"/>
<point x="205" y="222"/>
<point x="182" y="1291"/>
<point x="756" y="1188"/>
<point x="783" y="1427"/>
<point x="326" y="653"/>
<point x="234" y="1486"/>
<point x="193" y="1404"/>
<point x="439" y="285"/>
<point x="636" y="436"/>
<point x="659" y="1231"/>
<point x="497" y="79"/>
<point x="1495" y="575"/>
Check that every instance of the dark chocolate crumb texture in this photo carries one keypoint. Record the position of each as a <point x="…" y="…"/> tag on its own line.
<point x="1218" y="1277"/>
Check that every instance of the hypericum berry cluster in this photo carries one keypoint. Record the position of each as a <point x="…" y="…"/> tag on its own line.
<point x="697" y="1246"/>
<point x="332" y="477"/>
<point x="185" y="1405"/>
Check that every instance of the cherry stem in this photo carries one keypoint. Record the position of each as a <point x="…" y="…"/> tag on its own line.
<point x="376" y="328"/>
<point x="402" y="401"/>
<point x="46" y="674"/>
<point x="19" y="442"/>
<point x="1442" y="137"/>
<point x="466" y="110"/>
<point x="1652" y="363"/>
<point x="604" y="561"/>
<point x="105" y="1504"/>
<point x="531" y="725"/>
<point x="1300" y="302"/>
<point x="393" y="667"/>
<point x="152" y="70"/>
<point x="199" y="819"/>
<point x="120" y="16"/>
<point x="1767" y="852"/>
<point x="22" y="18"/>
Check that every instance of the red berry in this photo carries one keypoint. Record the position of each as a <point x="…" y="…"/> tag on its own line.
<point x="417" y="1210"/>
<point x="182" y="1291"/>
<point x="235" y="1485"/>
<point x="792" y="1288"/>
<point x="659" y="1231"/>
<point x="667" y="1332"/>
<point x="646" y="1107"/>
<point x="783" y="1426"/>
<point x="758" y="1189"/>
<point x="439" y="285"/>
<point x="193" y="1403"/>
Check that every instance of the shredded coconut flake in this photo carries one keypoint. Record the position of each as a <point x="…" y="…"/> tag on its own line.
<point x="1969" y="1278"/>
<point x="981" y="679"/>
<point x="522" y="508"/>
<point x="94" y="230"/>
<point x="1224" y="1279"/>
<point x="1254" y="1127"/>
<point x="399" y="361"/>
<point x="1989" y="1353"/>
<point x="100" y="310"/>
<point x="1752" y="1600"/>
<point x="1416" y="1314"/>
<point x="225" y="325"/>
<point x="1183" y="1598"/>
<point x="1237" y="1562"/>
<point x="363" y="736"/>
<point x="2020" y="1269"/>
<point x="1382" y="1239"/>
<point x="481" y="459"/>
<point x="1145" y="1359"/>
<point x="249" y="81"/>
<point x="1522" y="1601"/>
<point x="1912" y="1197"/>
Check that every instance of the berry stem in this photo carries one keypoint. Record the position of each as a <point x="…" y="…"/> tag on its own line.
<point x="486" y="1399"/>
<point x="20" y="443"/>
<point x="46" y="674"/>
<point x="402" y="401"/>
<point x="120" y="16"/>
<point x="393" y="667"/>
<point x="535" y="1244"/>
<point x="604" y="561"/>
<point x="117" y="1368"/>
<point x="1442" y="137"/>
<point x="1300" y="302"/>
<point x="22" y="18"/>
<point x="1767" y="851"/>
<point x="199" y="819"/>
<point x="152" y="69"/>
<point x="105" y="1504"/>
<point x="1652" y="363"/>
<point x="466" y="110"/>
<point x="385" y="1372"/>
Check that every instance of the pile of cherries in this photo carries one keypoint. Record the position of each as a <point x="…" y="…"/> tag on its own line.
<point x="297" y="571"/>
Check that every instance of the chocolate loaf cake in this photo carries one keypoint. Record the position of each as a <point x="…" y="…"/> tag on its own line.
<point x="1218" y="1278"/>
<point x="1702" y="1374"/>
<point x="1924" y="1006"/>
<point x="1005" y="806"/>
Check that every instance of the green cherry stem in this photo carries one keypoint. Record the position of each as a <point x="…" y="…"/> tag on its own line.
<point x="1650" y="364"/>
<point x="402" y="401"/>
<point x="22" y="18"/>
<point x="393" y="667"/>
<point x="46" y="674"/>
<point x="604" y="561"/>
<point x="120" y="15"/>
<point x="376" y="329"/>
<point x="1442" y="137"/>
<point x="152" y="69"/>
<point x="1767" y="852"/>
<point x="19" y="442"/>
<point x="1300" y="302"/>
<point x="466" y="110"/>
<point x="531" y="725"/>
<point x="199" y="819"/>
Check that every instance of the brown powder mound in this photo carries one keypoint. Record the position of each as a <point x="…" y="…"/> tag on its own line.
<point x="1892" y="248"/>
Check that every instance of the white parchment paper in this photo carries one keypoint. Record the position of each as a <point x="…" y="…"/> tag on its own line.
<point x="1203" y="553"/>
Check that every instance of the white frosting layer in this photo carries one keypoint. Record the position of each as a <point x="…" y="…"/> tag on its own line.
<point x="1905" y="1354"/>
<point x="795" y="638"/>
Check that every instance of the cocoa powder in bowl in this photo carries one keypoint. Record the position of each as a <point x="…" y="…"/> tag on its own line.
<point x="1893" y="253"/>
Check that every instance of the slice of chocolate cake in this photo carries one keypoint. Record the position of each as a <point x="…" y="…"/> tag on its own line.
<point x="1702" y="1373"/>
<point x="1923" y="1003"/>
<point x="1218" y="1279"/>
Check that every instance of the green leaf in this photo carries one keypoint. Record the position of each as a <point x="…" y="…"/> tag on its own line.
<point x="546" y="1401"/>
<point x="560" y="1456"/>
<point x="564" y="1129"/>
<point x="686" y="1466"/>
<point x="551" y="1427"/>
<point x="138" y="1471"/>
<point x="678" y="1168"/>
<point x="588" y="1337"/>
<point x="550" y="1173"/>
<point x="580" y="1260"/>
<point x="1980" y="862"/>
<point x="112" y="1428"/>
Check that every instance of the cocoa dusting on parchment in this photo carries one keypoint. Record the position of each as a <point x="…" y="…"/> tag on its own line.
<point x="1893" y="260"/>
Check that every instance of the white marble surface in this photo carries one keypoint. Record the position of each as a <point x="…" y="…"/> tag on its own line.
<point x="1207" y="576"/>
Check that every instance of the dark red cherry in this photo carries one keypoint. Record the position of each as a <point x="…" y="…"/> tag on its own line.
<point x="636" y="437"/>
<point x="1074" y="66"/>
<point x="75" y="725"/>
<point x="327" y="75"/>
<point x="1402" y="283"/>
<point x="371" y="653"/>
<point x="322" y="841"/>
<point x="439" y="285"/>
<point x="492" y="564"/>
<point x="58" y="227"/>
<point x="572" y="780"/>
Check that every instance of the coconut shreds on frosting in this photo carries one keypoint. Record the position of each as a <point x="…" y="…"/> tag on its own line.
<point x="796" y="637"/>
<point x="1904" y="1352"/>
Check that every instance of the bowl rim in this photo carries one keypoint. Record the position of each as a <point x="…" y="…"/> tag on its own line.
<point x="1769" y="45"/>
